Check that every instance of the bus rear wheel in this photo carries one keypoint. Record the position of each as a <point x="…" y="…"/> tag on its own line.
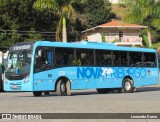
<point x="127" y="85"/>
<point x="103" y="90"/>
<point x="63" y="88"/>
<point x="37" y="93"/>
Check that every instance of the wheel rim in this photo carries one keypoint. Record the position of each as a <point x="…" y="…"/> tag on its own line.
<point x="63" y="88"/>
<point x="127" y="86"/>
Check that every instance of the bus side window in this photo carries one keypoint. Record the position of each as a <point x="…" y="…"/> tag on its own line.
<point x="120" y="58"/>
<point x="103" y="58"/>
<point x="149" y="59"/>
<point x="50" y="58"/>
<point x="64" y="56"/>
<point x="43" y="59"/>
<point x="38" y="59"/>
<point x="85" y="56"/>
<point x="70" y="58"/>
<point x="136" y="59"/>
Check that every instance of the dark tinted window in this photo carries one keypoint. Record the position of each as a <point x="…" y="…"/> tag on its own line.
<point x="136" y="59"/>
<point x="44" y="59"/>
<point x="64" y="56"/>
<point x="103" y="58"/>
<point x="120" y="58"/>
<point x="84" y="57"/>
<point x="149" y="59"/>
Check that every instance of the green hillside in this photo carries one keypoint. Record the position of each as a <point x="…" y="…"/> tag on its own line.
<point x="120" y="10"/>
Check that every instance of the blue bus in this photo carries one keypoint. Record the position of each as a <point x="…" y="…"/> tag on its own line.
<point x="59" y="67"/>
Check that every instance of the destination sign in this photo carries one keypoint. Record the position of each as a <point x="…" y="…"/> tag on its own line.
<point x="24" y="46"/>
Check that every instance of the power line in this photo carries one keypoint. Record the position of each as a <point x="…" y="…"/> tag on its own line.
<point x="28" y="32"/>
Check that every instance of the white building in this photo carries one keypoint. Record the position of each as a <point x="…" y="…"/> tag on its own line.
<point x="117" y="32"/>
<point x="1" y="56"/>
<point x="115" y="1"/>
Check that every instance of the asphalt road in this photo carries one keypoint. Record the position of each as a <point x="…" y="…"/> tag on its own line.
<point x="146" y="99"/>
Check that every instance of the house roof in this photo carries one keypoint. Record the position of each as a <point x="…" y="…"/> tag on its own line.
<point x="117" y="24"/>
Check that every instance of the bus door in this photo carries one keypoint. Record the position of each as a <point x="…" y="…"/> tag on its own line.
<point x="50" y="67"/>
<point x="43" y="76"/>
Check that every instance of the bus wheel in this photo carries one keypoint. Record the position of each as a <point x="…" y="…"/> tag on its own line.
<point x="46" y="93"/>
<point x="103" y="91"/>
<point x="37" y="93"/>
<point x="63" y="88"/>
<point x="127" y="85"/>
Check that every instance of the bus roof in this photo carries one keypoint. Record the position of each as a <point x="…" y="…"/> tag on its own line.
<point x="91" y="45"/>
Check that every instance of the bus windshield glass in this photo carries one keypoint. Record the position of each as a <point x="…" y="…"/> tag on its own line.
<point x="18" y="64"/>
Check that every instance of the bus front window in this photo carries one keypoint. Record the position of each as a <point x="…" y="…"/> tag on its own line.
<point x="18" y="64"/>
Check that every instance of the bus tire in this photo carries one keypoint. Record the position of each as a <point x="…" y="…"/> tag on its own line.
<point x="103" y="90"/>
<point x="127" y="85"/>
<point x="63" y="88"/>
<point x="37" y="93"/>
<point x="46" y="93"/>
<point x="68" y="86"/>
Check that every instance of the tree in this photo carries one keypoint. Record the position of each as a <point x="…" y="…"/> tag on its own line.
<point x="33" y="36"/>
<point x="145" y="12"/>
<point x="9" y="22"/>
<point x="63" y="8"/>
<point x="15" y="16"/>
<point x="97" y="12"/>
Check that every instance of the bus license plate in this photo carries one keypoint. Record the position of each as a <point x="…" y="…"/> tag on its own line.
<point x="14" y="87"/>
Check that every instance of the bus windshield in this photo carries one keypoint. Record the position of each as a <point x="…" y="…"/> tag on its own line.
<point x="18" y="64"/>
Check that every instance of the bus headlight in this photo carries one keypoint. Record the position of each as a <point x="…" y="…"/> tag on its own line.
<point x="26" y="79"/>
